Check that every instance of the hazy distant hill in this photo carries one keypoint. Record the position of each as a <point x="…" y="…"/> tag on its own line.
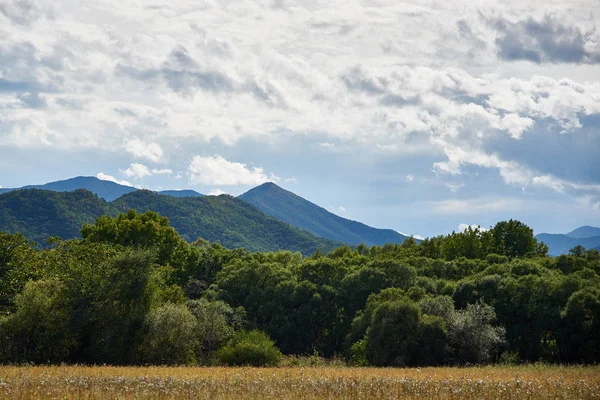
<point x="39" y="214"/>
<point x="180" y="193"/>
<point x="108" y="190"/>
<point x="289" y="207"/>
<point x="561" y="244"/>
<point x="584" y="232"/>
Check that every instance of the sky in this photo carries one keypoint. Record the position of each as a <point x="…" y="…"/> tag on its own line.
<point x="421" y="116"/>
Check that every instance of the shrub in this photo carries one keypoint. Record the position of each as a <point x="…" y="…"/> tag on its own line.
<point x="253" y="348"/>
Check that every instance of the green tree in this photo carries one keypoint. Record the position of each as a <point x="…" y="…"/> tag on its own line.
<point x="169" y="335"/>
<point x="515" y="239"/>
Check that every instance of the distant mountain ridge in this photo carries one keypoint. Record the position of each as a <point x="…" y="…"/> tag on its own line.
<point x="587" y="236"/>
<point x="107" y="190"/>
<point x="584" y="232"/>
<point x="293" y="209"/>
<point x="39" y="214"/>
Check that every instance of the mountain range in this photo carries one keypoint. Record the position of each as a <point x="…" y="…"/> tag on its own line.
<point x="266" y="218"/>
<point x="269" y="198"/>
<point x="40" y="214"/>
<point x="108" y="190"/>
<point x="587" y="236"/>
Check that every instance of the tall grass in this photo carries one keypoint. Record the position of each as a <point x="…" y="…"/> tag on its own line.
<point x="79" y="382"/>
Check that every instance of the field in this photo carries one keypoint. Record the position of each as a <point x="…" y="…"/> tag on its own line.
<point x="78" y="382"/>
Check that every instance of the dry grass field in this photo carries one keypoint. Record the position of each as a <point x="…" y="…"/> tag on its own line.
<point x="78" y="382"/>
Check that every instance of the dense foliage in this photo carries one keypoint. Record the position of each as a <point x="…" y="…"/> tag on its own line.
<point x="132" y="291"/>
<point x="40" y="214"/>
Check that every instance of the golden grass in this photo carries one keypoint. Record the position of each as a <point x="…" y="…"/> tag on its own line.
<point x="79" y="382"/>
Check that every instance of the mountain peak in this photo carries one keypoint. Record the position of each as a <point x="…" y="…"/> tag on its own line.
<point x="293" y="209"/>
<point x="585" y="231"/>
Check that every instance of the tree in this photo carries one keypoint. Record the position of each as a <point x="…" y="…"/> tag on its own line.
<point x="169" y="335"/>
<point x="472" y="336"/>
<point x="39" y="330"/>
<point x="515" y="239"/>
<point x="216" y="323"/>
<point x="132" y="229"/>
<point x="581" y="315"/>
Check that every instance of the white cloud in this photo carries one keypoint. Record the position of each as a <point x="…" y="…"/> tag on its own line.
<point x="478" y="205"/>
<point x="342" y="209"/>
<point x="410" y="177"/>
<point x="163" y="171"/>
<point x="216" y="170"/>
<point x="137" y="171"/>
<point x="216" y="192"/>
<point x="291" y="180"/>
<point x="140" y="171"/>
<point x="141" y="149"/>
<point x="463" y="227"/>
<point x="106" y="177"/>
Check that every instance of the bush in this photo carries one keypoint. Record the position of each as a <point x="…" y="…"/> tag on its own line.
<point x="253" y="348"/>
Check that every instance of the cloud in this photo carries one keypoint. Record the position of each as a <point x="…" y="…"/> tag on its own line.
<point x="418" y="237"/>
<point x="477" y="205"/>
<point x="463" y="227"/>
<point x="141" y="149"/>
<point x="546" y="40"/>
<point x="163" y="171"/>
<point x="216" y="170"/>
<point x="410" y="177"/>
<point x="342" y="209"/>
<point x="137" y="171"/>
<point x="216" y="192"/>
<point x="291" y="180"/>
<point x="140" y="171"/>
<point x="106" y="177"/>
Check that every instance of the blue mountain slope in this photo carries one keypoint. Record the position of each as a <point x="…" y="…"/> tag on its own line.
<point x="561" y="244"/>
<point x="107" y="190"/>
<point x="584" y="232"/>
<point x="293" y="209"/>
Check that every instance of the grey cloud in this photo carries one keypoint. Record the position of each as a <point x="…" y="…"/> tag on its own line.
<point x="33" y="100"/>
<point x="543" y="41"/>
<point x="357" y="79"/>
<point x="21" y="12"/>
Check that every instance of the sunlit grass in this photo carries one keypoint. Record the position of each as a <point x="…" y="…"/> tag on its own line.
<point x="79" y="382"/>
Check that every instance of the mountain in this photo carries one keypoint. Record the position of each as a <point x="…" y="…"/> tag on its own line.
<point x="226" y="219"/>
<point x="561" y="244"/>
<point x="39" y="214"/>
<point x="180" y="193"/>
<point x="584" y="232"/>
<point x="108" y="190"/>
<point x="293" y="209"/>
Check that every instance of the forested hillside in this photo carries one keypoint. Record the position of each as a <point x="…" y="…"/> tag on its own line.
<point x="132" y="291"/>
<point x="39" y="214"/>
<point x="289" y="207"/>
<point x="225" y="219"/>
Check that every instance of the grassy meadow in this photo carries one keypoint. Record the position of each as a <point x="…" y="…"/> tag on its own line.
<point x="104" y="382"/>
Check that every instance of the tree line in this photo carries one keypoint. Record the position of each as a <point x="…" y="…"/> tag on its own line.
<point x="132" y="291"/>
